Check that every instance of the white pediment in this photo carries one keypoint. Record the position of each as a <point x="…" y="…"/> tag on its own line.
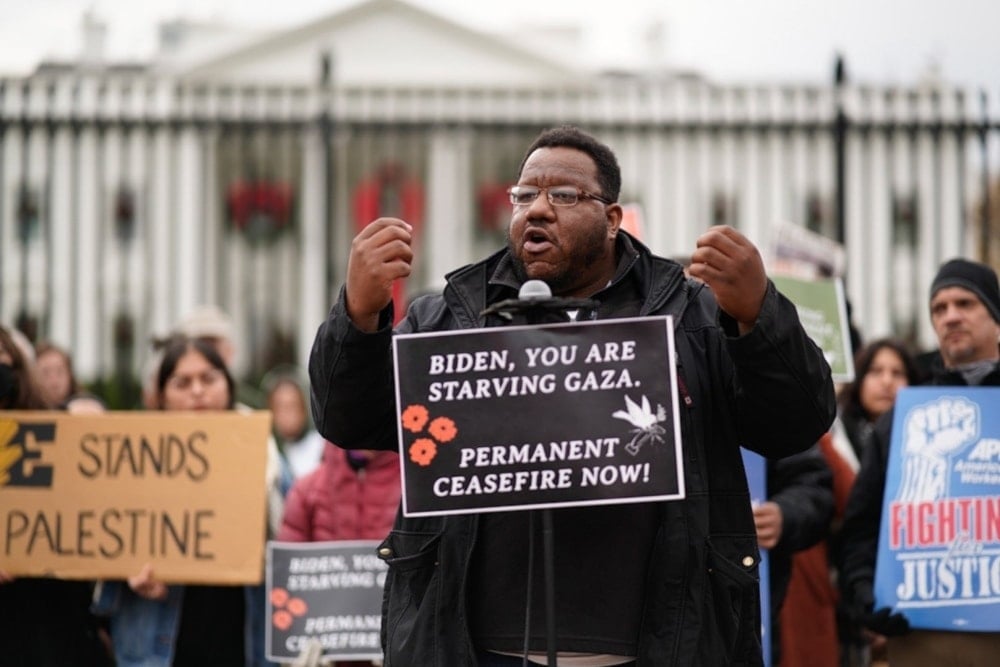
<point x="384" y="43"/>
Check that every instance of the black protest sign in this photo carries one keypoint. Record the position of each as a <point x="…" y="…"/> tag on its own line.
<point x="330" y="592"/>
<point x="538" y="416"/>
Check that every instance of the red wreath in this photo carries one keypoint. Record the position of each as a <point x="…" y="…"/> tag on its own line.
<point x="259" y="201"/>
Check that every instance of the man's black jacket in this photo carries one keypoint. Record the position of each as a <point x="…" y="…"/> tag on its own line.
<point x="769" y="390"/>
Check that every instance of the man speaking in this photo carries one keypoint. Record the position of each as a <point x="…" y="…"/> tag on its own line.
<point x="647" y="584"/>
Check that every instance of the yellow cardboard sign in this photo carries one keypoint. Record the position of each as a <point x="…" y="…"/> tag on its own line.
<point x="98" y="496"/>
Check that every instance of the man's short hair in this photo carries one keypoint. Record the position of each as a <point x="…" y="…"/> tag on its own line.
<point x="978" y="278"/>
<point x="609" y="175"/>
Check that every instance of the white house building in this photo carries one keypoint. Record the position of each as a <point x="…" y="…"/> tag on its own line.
<point x="235" y="168"/>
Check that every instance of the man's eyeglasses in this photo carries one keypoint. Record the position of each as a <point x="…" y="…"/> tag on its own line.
<point x="559" y="195"/>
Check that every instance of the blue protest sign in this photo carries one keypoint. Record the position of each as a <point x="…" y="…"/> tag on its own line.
<point x="939" y="541"/>
<point x="756" y="469"/>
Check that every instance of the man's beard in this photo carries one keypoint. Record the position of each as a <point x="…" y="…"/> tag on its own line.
<point x="594" y="249"/>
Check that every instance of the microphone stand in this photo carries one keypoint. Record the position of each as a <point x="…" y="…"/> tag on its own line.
<point x="535" y="305"/>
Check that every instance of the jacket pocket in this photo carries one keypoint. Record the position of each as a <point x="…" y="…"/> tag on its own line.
<point x="409" y="598"/>
<point x="735" y="597"/>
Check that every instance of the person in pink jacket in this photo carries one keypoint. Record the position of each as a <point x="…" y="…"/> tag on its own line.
<point x="353" y="495"/>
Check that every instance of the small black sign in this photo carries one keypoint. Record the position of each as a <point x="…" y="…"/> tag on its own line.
<point x="327" y="591"/>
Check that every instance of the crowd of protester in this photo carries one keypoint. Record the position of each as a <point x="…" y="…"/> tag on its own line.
<point x="326" y="493"/>
<point x="819" y="523"/>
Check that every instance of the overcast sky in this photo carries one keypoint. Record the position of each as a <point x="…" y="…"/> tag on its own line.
<point x="884" y="41"/>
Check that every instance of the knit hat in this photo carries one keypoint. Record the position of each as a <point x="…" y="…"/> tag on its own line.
<point x="978" y="278"/>
<point x="207" y="322"/>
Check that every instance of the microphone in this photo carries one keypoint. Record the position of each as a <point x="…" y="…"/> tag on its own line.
<point x="533" y="290"/>
<point x="536" y="305"/>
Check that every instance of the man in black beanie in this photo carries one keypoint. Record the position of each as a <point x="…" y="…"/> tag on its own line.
<point x="971" y="338"/>
<point x="965" y="313"/>
<point x="973" y="276"/>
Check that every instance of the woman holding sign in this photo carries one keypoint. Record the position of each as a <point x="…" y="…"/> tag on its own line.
<point x="42" y="621"/>
<point x="156" y="624"/>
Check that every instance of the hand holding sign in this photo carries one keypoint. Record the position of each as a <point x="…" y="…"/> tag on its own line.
<point x="768" y="521"/>
<point x="146" y="585"/>
<point x="380" y="254"/>
<point x="885" y="622"/>
<point x="731" y="266"/>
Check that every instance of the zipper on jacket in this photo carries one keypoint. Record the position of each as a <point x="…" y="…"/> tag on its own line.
<point x="685" y="395"/>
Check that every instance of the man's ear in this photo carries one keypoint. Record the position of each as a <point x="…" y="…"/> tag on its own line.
<point x="614" y="215"/>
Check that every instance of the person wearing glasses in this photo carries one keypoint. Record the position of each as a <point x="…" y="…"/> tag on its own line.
<point x="646" y="584"/>
<point x="154" y="624"/>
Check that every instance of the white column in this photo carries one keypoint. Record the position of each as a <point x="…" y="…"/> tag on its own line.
<point x="138" y="286"/>
<point x="728" y="177"/>
<point x="824" y="179"/>
<point x="877" y="237"/>
<point x="210" y="224"/>
<point x="62" y="324"/>
<point x="703" y="189"/>
<point x="38" y="267"/>
<point x="283" y="296"/>
<point x="160" y="247"/>
<point x="777" y="210"/>
<point x="755" y="180"/>
<point x="313" y="304"/>
<point x="929" y="251"/>
<point x="239" y="275"/>
<point x="10" y="270"/>
<point x="800" y="179"/>
<point x="681" y="224"/>
<point x="340" y="226"/>
<point x="903" y="296"/>
<point x="88" y="268"/>
<point x="111" y="264"/>
<point x="447" y="234"/>
<point x="188" y="261"/>
<point x="951" y="204"/>
<point x="713" y="173"/>
<point x="658" y="220"/>
<point x="855" y="229"/>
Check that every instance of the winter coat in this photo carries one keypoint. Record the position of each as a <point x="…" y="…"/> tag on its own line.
<point x="809" y="634"/>
<point x="802" y="486"/>
<point x="335" y="502"/>
<point x="769" y="390"/>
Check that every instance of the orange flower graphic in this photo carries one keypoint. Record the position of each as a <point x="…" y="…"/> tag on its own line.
<point x="443" y="429"/>
<point x="423" y="451"/>
<point x="286" y="608"/>
<point x="282" y="619"/>
<point x="414" y="418"/>
<point x="440" y="430"/>
<point x="279" y="597"/>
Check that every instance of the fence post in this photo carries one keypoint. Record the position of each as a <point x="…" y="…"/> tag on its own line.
<point x="840" y="124"/>
<point x="984" y="144"/>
